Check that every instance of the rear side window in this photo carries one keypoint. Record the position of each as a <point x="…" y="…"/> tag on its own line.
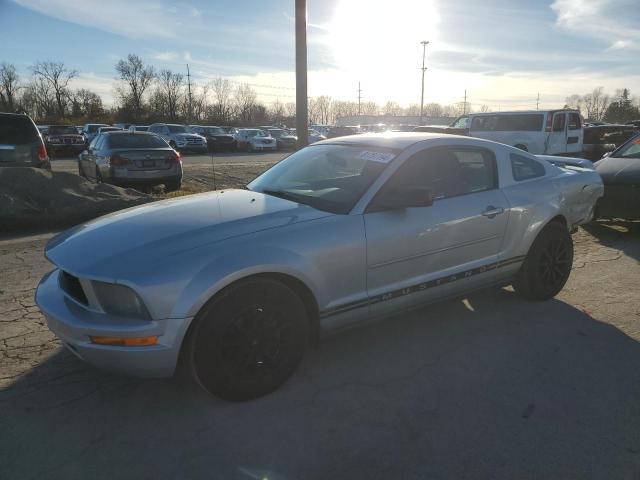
<point x="574" y="121"/>
<point x="525" y="168"/>
<point x="559" y="122"/>
<point x="525" y="122"/>
<point x="17" y="130"/>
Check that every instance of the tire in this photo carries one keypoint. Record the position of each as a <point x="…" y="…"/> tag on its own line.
<point x="249" y="148"/>
<point x="248" y="340"/>
<point x="98" y="176"/>
<point x="547" y="266"/>
<point x="172" y="185"/>
<point x="80" y="171"/>
<point x="522" y="147"/>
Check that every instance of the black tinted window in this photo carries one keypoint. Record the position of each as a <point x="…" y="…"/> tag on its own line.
<point x="448" y="171"/>
<point x="559" y="122"/>
<point x="525" y="168"/>
<point x="136" y="141"/>
<point x="17" y="130"/>
<point x="62" y="130"/>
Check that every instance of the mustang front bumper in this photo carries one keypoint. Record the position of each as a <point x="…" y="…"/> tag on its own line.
<point x="73" y="323"/>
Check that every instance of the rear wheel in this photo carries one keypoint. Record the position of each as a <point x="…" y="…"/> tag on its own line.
<point x="172" y="185"/>
<point x="81" y="171"/>
<point x="98" y="176"/>
<point x="547" y="266"/>
<point x="248" y="340"/>
<point x="249" y="147"/>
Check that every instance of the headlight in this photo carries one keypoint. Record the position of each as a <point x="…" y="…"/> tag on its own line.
<point x="120" y="300"/>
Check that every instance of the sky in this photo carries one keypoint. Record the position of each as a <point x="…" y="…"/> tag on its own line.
<point x="502" y="52"/>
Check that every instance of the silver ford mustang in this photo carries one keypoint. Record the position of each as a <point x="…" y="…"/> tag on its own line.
<point x="234" y="285"/>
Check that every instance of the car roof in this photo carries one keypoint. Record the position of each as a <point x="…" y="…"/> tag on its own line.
<point x="126" y="132"/>
<point x="396" y="140"/>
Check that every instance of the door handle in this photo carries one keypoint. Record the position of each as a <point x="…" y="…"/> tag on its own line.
<point x="492" y="211"/>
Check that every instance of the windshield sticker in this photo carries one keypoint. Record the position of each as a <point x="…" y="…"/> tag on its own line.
<point x="380" y="157"/>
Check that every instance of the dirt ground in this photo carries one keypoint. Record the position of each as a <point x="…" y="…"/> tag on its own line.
<point x="486" y="388"/>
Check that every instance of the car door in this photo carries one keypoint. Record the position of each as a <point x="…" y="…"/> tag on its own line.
<point x="557" y="137"/>
<point x="88" y="158"/>
<point x="575" y="133"/>
<point x="420" y="253"/>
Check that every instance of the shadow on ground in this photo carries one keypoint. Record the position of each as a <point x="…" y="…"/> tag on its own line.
<point x="619" y="234"/>
<point x="493" y="387"/>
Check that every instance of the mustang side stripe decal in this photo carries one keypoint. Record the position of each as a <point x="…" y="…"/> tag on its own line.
<point x="421" y="286"/>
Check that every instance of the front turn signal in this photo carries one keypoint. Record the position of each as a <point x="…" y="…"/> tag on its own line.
<point x="125" y="342"/>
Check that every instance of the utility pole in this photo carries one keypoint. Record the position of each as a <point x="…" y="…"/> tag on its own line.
<point x="464" y="104"/>
<point x="189" y="90"/>
<point x="359" y="99"/>
<point x="424" y="44"/>
<point x="302" y="109"/>
<point x="538" y="102"/>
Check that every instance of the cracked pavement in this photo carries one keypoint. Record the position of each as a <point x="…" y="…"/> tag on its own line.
<point x="489" y="387"/>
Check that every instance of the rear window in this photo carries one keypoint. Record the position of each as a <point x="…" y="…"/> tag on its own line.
<point x="136" y="141"/>
<point x="177" y="129"/>
<point x="62" y="130"/>
<point x="525" y="168"/>
<point x="524" y="122"/>
<point x="17" y="130"/>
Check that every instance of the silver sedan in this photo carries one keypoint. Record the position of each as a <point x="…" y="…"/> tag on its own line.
<point x="236" y="284"/>
<point x="130" y="158"/>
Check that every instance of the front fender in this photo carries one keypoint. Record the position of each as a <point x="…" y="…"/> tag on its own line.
<point x="223" y="271"/>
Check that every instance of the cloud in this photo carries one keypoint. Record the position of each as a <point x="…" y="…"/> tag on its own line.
<point x="612" y="21"/>
<point x="138" y="20"/>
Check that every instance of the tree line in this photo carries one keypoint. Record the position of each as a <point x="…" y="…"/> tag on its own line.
<point x="145" y="95"/>
<point x="598" y="106"/>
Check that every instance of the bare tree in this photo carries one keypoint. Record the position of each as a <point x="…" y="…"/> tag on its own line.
<point x="596" y="103"/>
<point x="245" y="100"/>
<point x="222" y="108"/>
<point x="57" y="76"/>
<point x="290" y="109"/>
<point x="369" y="108"/>
<point x="9" y="85"/>
<point x="87" y="104"/>
<point x="38" y="99"/>
<point x="171" y="93"/>
<point x="137" y="77"/>
<point x="392" y="108"/>
<point x="433" y="110"/>
<point x="484" y="108"/>
<point x="276" y="112"/>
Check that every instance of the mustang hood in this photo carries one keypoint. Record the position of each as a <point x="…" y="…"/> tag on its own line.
<point x="155" y="232"/>
<point x="619" y="171"/>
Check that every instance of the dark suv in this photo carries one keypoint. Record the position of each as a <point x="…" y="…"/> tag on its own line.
<point x="20" y="143"/>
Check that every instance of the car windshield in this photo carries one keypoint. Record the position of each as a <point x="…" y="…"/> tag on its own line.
<point x="631" y="150"/>
<point x="276" y="132"/>
<point x="109" y="129"/>
<point x="131" y="140"/>
<point x="327" y="177"/>
<point x="214" y="131"/>
<point x="177" y="128"/>
<point x="93" y="128"/>
<point x="62" y="130"/>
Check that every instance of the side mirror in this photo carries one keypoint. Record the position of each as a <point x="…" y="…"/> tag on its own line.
<point x="400" y="198"/>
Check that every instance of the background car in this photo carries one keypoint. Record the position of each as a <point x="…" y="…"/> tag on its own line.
<point x="122" y="126"/>
<point x="342" y="131"/>
<point x="131" y="158"/>
<point x="21" y="144"/>
<point x="315" y="136"/>
<point x="230" y="131"/>
<point x="600" y="139"/>
<point x="620" y="172"/>
<point x="138" y="128"/>
<point x="90" y="130"/>
<point x="179" y="137"/>
<point x="64" y="139"/>
<point x="253" y="139"/>
<point x="108" y="128"/>
<point x="217" y="139"/>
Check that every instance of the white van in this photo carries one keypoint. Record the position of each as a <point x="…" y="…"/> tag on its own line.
<point x="540" y="132"/>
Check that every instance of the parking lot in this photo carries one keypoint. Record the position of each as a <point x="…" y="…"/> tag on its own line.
<point x="489" y="386"/>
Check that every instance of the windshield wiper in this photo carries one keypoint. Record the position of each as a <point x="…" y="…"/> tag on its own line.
<point x="284" y="194"/>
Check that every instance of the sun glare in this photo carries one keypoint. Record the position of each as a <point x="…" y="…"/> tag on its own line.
<point x="368" y="37"/>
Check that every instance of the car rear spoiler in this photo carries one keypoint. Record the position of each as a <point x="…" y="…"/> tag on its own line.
<point x="567" y="161"/>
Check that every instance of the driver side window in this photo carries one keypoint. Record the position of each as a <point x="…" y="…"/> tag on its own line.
<point x="447" y="172"/>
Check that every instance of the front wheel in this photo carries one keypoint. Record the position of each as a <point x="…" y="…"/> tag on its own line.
<point x="248" y="340"/>
<point x="547" y="266"/>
